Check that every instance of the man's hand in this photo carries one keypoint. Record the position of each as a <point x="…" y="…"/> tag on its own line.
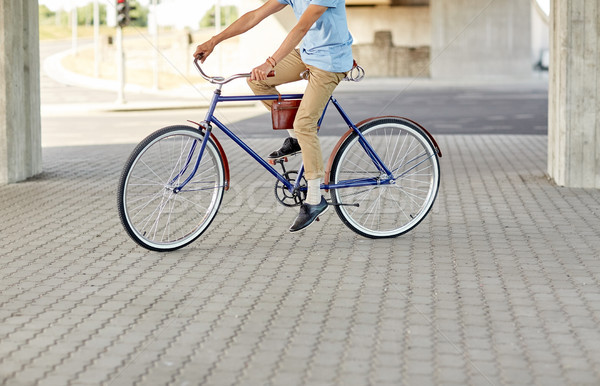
<point x="203" y="50"/>
<point x="261" y="72"/>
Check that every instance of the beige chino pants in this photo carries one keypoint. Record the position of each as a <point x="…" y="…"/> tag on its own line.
<point x="320" y="87"/>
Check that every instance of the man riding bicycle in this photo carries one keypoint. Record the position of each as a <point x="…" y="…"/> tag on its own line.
<point x="326" y="52"/>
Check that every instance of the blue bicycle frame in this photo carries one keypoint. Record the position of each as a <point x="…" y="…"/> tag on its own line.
<point x="385" y="178"/>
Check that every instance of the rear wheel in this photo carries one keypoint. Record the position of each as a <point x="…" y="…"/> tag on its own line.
<point x="156" y="210"/>
<point x="386" y="209"/>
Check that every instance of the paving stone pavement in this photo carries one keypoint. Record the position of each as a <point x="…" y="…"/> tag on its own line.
<point x="500" y="284"/>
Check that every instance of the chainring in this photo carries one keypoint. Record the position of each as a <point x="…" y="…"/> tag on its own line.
<point x="284" y="196"/>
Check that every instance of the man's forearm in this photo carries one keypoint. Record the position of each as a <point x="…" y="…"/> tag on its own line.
<point x="289" y="43"/>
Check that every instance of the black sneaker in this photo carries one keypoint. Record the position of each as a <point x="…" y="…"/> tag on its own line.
<point x="290" y="147"/>
<point x="308" y="214"/>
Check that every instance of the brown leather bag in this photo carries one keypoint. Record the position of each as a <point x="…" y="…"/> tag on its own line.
<point x="283" y="113"/>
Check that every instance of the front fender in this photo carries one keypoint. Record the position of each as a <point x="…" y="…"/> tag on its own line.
<point x="221" y="153"/>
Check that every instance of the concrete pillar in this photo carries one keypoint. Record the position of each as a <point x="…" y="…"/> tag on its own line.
<point x="20" y="127"/>
<point x="574" y="94"/>
<point x="481" y="39"/>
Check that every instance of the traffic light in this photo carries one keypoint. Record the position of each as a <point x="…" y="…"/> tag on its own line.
<point x="124" y="7"/>
<point x="130" y="7"/>
<point x="122" y="13"/>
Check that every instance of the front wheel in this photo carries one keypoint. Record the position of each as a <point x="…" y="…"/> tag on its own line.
<point x="157" y="208"/>
<point x="384" y="206"/>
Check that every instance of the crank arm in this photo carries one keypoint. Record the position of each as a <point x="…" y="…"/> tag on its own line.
<point x="338" y="204"/>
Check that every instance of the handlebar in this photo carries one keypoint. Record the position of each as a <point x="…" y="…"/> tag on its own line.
<point x="220" y="79"/>
<point x="356" y="74"/>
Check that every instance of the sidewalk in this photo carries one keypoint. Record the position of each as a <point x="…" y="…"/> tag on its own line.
<point x="499" y="285"/>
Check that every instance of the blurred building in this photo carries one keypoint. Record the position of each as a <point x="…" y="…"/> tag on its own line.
<point x="443" y="39"/>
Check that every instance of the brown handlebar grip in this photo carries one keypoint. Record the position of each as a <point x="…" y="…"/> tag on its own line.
<point x="271" y="74"/>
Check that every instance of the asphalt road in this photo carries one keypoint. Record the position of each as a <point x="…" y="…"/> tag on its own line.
<point x="519" y="108"/>
<point x="505" y="109"/>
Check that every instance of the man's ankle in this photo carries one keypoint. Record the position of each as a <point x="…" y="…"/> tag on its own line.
<point x="313" y="195"/>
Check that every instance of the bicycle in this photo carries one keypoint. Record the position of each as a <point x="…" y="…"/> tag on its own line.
<point x="383" y="176"/>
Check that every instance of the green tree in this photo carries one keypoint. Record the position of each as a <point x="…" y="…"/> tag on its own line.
<point x="228" y="15"/>
<point x="85" y="14"/>
<point x="139" y="15"/>
<point x="45" y="13"/>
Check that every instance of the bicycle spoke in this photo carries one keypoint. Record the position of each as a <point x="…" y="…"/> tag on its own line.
<point x="139" y="208"/>
<point x="400" y="208"/>
<point x="198" y="206"/>
<point x="168" y="222"/>
<point x="150" y="216"/>
<point x="150" y="182"/>
<point x="151" y="170"/>
<point x="411" y="196"/>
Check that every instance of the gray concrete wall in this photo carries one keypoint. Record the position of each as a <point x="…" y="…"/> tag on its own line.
<point x="410" y="26"/>
<point x="20" y="127"/>
<point x="481" y="39"/>
<point x="383" y="59"/>
<point x="574" y="94"/>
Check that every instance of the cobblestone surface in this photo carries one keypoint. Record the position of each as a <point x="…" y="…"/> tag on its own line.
<point x="499" y="285"/>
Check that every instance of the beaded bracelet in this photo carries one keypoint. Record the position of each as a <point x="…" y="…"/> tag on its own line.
<point x="272" y="61"/>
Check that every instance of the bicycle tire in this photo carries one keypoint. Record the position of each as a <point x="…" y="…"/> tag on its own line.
<point x="152" y="211"/>
<point x="393" y="209"/>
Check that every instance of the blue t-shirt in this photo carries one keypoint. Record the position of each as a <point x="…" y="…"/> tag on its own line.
<point x="328" y="43"/>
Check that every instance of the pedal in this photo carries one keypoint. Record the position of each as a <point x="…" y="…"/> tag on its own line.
<point x="317" y="219"/>
<point x="275" y="161"/>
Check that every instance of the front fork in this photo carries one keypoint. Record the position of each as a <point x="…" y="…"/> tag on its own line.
<point x="207" y="131"/>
